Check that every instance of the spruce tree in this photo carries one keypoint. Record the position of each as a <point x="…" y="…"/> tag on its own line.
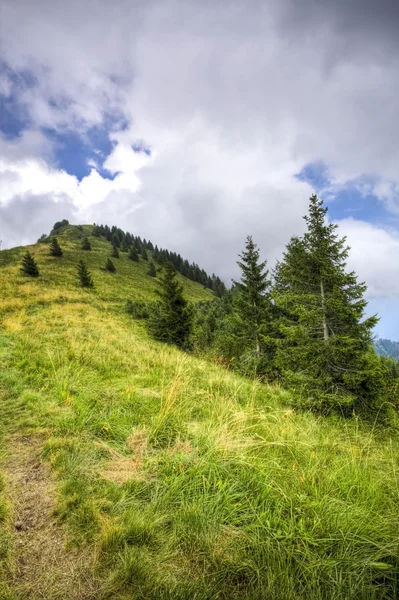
<point x="29" y="265"/>
<point x="84" y="275"/>
<point x="86" y="244"/>
<point x="133" y="254"/>
<point x="109" y="265"/>
<point x="144" y="253"/>
<point x="115" y="251"/>
<point x="124" y="245"/>
<point x="171" y="322"/>
<point x="55" y="248"/>
<point x="252" y="312"/>
<point x="151" y="270"/>
<point x="324" y="347"/>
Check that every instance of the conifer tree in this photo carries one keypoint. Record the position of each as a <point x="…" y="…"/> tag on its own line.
<point x="116" y="240"/>
<point x="109" y="265"/>
<point x="96" y="231"/>
<point x="324" y="348"/>
<point x="55" y="248"/>
<point x="84" y="275"/>
<point x="252" y="311"/>
<point x="86" y="244"/>
<point x="171" y="322"/>
<point x="151" y="270"/>
<point x="144" y="253"/>
<point x="115" y="251"/>
<point x="29" y="265"/>
<point x="124" y="245"/>
<point x="133" y="254"/>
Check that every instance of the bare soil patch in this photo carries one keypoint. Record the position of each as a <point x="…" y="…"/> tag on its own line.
<point x="41" y="566"/>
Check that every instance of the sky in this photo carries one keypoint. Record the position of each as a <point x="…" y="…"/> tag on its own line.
<point x="195" y="123"/>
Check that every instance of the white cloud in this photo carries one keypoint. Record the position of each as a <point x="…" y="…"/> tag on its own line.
<point x="232" y="98"/>
<point x="374" y="256"/>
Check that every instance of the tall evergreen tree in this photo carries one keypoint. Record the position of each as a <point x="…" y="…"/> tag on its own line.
<point x="86" y="243"/>
<point x="171" y="321"/>
<point x="55" y="248"/>
<point x="324" y="348"/>
<point x="29" y="265"/>
<point x="84" y="275"/>
<point x="133" y="254"/>
<point x="252" y="311"/>
<point x="144" y="253"/>
<point x="151" y="270"/>
<point x="115" y="251"/>
<point x="124" y="245"/>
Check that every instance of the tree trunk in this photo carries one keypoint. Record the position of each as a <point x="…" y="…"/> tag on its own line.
<point x="325" y="326"/>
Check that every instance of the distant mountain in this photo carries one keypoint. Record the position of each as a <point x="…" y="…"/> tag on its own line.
<point x="387" y="348"/>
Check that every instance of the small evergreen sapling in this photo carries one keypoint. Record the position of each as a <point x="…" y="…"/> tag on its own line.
<point x="109" y="265"/>
<point x="84" y="275"/>
<point x="133" y="254"/>
<point x="115" y="251"/>
<point x="29" y="265"/>
<point x="55" y="248"/>
<point x="86" y="244"/>
<point x="151" y="270"/>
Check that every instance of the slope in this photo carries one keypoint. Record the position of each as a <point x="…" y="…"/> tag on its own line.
<point x="178" y="479"/>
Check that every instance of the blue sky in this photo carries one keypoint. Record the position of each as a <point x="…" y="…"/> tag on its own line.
<point x="196" y="127"/>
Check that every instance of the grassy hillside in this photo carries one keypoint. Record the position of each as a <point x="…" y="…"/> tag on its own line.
<point x="174" y="478"/>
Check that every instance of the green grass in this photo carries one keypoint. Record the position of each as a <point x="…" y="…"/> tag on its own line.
<point x="189" y="481"/>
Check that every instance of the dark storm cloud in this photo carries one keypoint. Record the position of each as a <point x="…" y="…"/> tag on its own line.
<point x="364" y="24"/>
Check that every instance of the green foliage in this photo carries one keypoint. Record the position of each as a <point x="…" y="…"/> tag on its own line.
<point x="96" y="231"/>
<point x="109" y="265"/>
<point x="151" y="270"/>
<point x="86" y="244"/>
<point x="252" y="312"/>
<point x="115" y="251"/>
<point x="124" y="245"/>
<point x="42" y="238"/>
<point x="325" y="340"/>
<point x="84" y="275"/>
<point x="29" y="265"/>
<point x="170" y="321"/>
<point x="60" y="225"/>
<point x="55" y="248"/>
<point x="139" y="310"/>
<point x="144" y="254"/>
<point x="133" y="254"/>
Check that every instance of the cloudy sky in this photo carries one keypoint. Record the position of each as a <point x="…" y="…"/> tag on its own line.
<point x="196" y="122"/>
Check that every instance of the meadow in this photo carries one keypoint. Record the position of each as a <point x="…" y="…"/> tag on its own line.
<point x="178" y="479"/>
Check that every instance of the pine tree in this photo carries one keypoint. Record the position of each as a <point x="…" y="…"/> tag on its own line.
<point x="84" y="275"/>
<point x="55" y="248"/>
<point x="116" y="240"/>
<point x="151" y="270"/>
<point x="96" y="231"/>
<point x="133" y="254"/>
<point x="144" y="253"/>
<point x="29" y="265"/>
<point x="252" y="312"/>
<point x="324" y="348"/>
<point x="86" y="244"/>
<point x="109" y="265"/>
<point x="115" y="251"/>
<point x="124" y="245"/>
<point x="171" y="322"/>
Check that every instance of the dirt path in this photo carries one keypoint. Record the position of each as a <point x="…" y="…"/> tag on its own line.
<point x="42" y="567"/>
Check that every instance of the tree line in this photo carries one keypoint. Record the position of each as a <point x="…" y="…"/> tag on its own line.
<point x="302" y="325"/>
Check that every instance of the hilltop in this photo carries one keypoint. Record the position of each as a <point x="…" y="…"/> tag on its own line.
<point x="133" y="470"/>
